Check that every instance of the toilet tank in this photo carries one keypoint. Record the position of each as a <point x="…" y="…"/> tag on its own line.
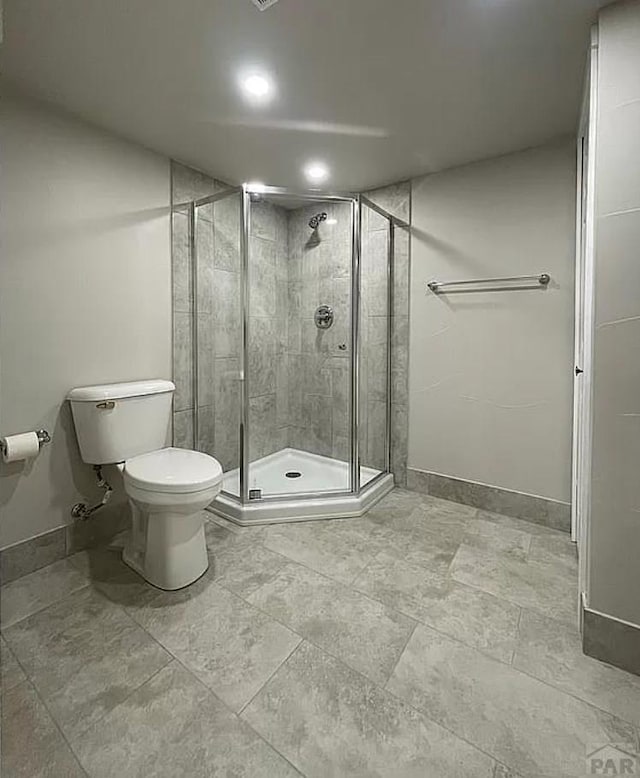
<point x="115" y="422"/>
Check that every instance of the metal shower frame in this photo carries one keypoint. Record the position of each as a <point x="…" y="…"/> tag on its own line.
<point x="357" y="201"/>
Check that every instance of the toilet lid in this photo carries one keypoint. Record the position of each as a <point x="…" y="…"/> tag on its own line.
<point x="176" y="470"/>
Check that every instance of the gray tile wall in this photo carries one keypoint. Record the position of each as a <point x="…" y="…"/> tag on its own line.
<point x="217" y="318"/>
<point x="268" y="319"/>
<point x="396" y="199"/>
<point x="318" y="387"/>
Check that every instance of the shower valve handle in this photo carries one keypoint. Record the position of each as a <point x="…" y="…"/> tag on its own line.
<point x="323" y="317"/>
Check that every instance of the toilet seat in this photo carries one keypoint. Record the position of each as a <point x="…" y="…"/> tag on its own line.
<point x="172" y="471"/>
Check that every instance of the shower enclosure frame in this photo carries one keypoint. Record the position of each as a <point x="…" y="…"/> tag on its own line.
<point x="314" y="504"/>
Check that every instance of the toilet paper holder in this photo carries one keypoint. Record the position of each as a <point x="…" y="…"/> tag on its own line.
<point x="42" y="435"/>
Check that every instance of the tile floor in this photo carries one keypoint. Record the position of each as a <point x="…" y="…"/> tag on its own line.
<point x="425" y="639"/>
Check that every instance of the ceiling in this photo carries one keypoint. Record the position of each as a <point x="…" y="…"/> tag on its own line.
<point x="380" y="90"/>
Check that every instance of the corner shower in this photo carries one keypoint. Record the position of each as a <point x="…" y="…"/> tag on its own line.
<point x="290" y="311"/>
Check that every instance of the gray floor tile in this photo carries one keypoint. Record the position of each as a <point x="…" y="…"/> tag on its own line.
<point x="11" y="674"/>
<point x="228" y="644"/>
<point x="37" y="590"/>
<point x="497" y="538"/>
<point x="173" y="727"/>
<point x="403" y="510"/>
<point x="555" y="548"/>
<point x="552" y="651"/>
<point x="413" y="540"/>
<point x="501" y="771"/>
<point x="525" y="724"/>
<point x="332" y="548"/>
<point x="32" y="746"/>
<point x="330" y="721"/>
<point x="542" y="586"/>
<point x="84" y="655"/>
<point x="366" y="635"/>
<point x="354" y="588"/>
<point x="239" y="563"/>
<point x="108" y="574"/>
<point x="397" y="504"/>
<point x="470" y="615"/>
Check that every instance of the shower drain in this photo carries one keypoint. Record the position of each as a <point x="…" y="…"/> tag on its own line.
<point x="293" y="474"/>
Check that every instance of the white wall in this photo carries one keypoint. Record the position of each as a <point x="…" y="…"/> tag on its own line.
<point x="614" y="546"/>
<point x="490" y="376"/>
<point x="85" y="293"/>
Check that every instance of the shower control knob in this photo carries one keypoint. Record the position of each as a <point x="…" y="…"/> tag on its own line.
<point x="323" y="317"/>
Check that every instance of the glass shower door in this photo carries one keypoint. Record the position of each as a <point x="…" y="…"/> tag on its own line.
<point x="218" y="331"/>
<point x="299" y="345"/>
<point x="376" y="285"/>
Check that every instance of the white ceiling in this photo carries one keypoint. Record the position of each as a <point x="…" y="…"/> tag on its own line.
<point x="379" y="89"/>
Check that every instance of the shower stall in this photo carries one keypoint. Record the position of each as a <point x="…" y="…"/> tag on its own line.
<point x="289" y="302"/>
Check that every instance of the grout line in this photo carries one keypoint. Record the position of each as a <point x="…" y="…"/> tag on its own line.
<point x="122" y="609"/>
<point x="282" y="663"/>
<point x="230" y="710"/>
<point x="517" y="637"/>
<point x="56" y="725"/>
<point x="305" y="638"/>
<point x="400" y="655"/>
<point x="517" y="670"/>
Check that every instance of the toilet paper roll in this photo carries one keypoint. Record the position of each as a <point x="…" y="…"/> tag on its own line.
<point x="22" y="446"/>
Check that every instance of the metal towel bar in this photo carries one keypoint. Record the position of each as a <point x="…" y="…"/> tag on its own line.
<point x="437" y="286"/>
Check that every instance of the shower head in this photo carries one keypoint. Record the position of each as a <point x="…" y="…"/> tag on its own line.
<point x="314" y="221"/>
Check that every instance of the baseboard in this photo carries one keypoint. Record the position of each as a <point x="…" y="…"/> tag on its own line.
<point x="611" y="640"/>
<point x="30" y="555"/>
<point x="530" y="507"/>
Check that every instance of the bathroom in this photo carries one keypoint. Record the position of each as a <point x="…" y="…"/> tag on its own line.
<point x="319" y="445"/>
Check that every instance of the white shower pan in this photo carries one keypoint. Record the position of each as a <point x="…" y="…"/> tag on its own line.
<point x="288" y="474"/>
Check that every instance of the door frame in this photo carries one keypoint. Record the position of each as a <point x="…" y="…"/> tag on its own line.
<point x="584" y="317"/>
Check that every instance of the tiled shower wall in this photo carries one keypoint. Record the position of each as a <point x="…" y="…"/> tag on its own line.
<point x="268" y="306"/>
<point x="396" y="200"/>
<point x="218" y="320"/>
<point x="298" y="375"/>
<point x="319" y="387"/>
<point x="318" y="360"/>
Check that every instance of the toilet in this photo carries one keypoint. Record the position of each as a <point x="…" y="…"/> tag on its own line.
<point x="127" y="424"/>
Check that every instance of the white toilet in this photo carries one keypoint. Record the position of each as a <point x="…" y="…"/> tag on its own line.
<point x="127" y="424"/>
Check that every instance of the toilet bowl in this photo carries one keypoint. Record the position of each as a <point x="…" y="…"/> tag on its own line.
<point x="127" y="424"/>
<point x="168" y="490"/>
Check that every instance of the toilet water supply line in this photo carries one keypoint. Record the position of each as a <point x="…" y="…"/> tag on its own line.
<point x="81" y="510"/>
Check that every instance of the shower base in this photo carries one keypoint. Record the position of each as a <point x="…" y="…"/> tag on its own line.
<point x="281" y="478"/>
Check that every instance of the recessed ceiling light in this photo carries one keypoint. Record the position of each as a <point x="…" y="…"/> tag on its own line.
<point x="257" y="87"/>
<point x="316" y="172"/>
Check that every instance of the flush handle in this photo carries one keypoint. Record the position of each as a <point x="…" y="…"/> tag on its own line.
<point x="107" y="405"/>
